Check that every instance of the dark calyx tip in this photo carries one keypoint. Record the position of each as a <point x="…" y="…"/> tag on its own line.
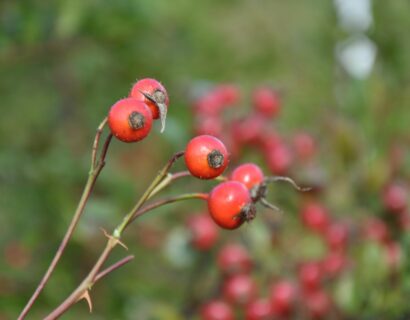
<point x="215" y="159"/>
<point x="248" y="212"/>
<point x="136" y="120"/>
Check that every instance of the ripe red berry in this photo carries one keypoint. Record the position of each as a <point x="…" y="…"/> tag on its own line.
<point x="266" y="101"/>
<point x="152" y="93"/>
<point x="310" y="275"/>
<point x="248" y="130"/>
<point x="258" y="310"/>
<point x="249" y="174"/>
<point x="239" y="289"/>
<point x="217" y="310"/>
<point x="395" y="197"/>
<point x="234" y="258"/>
<point x="230" y="204"/>
<point x="204" y="232"/>
<point x="209" y="125"/>
<point x="206" y="157"/>
<point x="209" y="105"/>
<point x="228" y="94"/>
<point x="315" y="217"/>
<point x="283" y="298"/>
<point x="130" y="120"/>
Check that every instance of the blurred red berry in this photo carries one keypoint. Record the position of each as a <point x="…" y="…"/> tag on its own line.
<point x="152" y="93"/>
<point x="208" y="105"/>
<point x="209" y="125"/>
<point x="258" y="310"/>
<point x="130" y="120"/>
<point x="337" y="236"/>
<point x="304" y="145"/>
<point x="310" y="275"/>
<point x="283" y="298"/>
<point x="234" y="258"/>
<point x="248" y="130"/>
<point x="230" y="204"/>
<point x="228" y="94"/>
<point x="393" y="254"/>
<point x="315" y="217"/>
<point x="239" y="289"/>
<point x="206" y="157"/>
<point x="334" y="263"/>
<point x="318" y="304"/>
<point x="279" y="159"/>
<point x="395" y="197"/>
<point x="266" y="101"/>
<point x="249" y="174"/>
<point x="204" y="232"/>
<point x="217" y="310"/>
<point x="376" y="229"/>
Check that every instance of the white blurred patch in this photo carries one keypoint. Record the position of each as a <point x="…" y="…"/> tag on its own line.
<point x="354" y="15"/>
<point x="176" y="249"/>
<point x="357" y="56"/>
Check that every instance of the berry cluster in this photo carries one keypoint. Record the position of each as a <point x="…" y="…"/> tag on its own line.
<point x="130" y="119"/>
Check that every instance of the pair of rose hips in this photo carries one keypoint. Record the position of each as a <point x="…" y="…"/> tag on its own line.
<point x="130" y="119"/>
<point x="230" y="203"/>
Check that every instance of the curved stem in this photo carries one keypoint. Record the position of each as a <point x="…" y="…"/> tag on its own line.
<point x="113" y="267"/>
<point x="288" y="180"/>
<point x="147" y="194"/>
<point x="159" y="203"/>
<point x="92" y="178"/>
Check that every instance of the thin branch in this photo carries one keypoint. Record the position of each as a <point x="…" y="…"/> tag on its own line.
<point x="96" y="142"/>
<point x="113" y="267"/>
<point x="92" y="178"/>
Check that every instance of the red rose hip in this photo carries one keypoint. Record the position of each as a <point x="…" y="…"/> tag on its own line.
<point x="130" y="120"/>
<point x="204" y="232"/>
<point x="206" y="157"/>
<point x="249" y="174"/>
<point x="217" y="310"/>
<point x="153" y="93"/>
<point x="230" y="204"/>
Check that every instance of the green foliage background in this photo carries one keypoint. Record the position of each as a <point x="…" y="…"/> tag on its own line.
<point x="64" y="63"/>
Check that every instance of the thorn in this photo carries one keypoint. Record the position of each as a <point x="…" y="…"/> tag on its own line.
<point x="87" y="297"/>
<point x="116" y="240"/>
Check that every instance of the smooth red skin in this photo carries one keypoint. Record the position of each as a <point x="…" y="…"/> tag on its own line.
<point x="310" y="275"/>
<point x="234" y="258"/>
<point x="315" y="217"/>
<point x="225" y="203"/>
<point x="336" y="236"/>
<point x="249" y="174"/>
<point x="283" y="298"/>
<point x="334" y="263"/>
<point x="258" y="310"/>
<point x="304" y="145"/>
<point x="204" y="232"/>
<point x="279" y="159"/>
<point x="196" y="156"/>
<point x="118" y="120"/>
<point x="376" y="229"/>
<point x="217" y="310"/>
<point x="239" y="289"/>
<point x="149" y="86"/>
<point x="318" y="304"/>
<point x="395" y="198"/>
<point x="266" y="101"/>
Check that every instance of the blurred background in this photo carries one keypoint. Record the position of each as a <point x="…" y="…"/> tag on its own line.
<point x="342" y="72"/>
